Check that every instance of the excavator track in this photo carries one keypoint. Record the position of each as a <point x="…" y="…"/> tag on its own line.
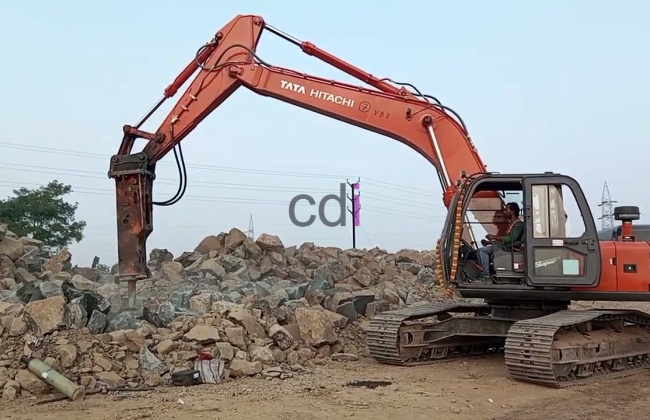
<point x="406" y="337"/>
<point x="570" y="348"/>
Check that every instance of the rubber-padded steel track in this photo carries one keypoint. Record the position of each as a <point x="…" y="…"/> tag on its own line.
<point x="383" y="336"/>
<point x="570" y="348"/>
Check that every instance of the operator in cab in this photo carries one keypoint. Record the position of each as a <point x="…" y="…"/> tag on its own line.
<point x="514" y="234"/>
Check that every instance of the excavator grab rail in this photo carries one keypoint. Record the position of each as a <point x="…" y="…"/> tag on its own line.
<point x="230" y="61"/>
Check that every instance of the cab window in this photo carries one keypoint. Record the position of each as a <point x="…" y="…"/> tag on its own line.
<point x="556" y="216"/>
<point x="556" y="213"/>
<point x="485" y="208"/>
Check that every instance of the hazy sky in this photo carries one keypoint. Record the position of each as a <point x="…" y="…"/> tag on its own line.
<point x="543" y="86"/>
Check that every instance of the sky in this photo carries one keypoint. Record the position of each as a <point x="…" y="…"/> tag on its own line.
<point x="543" y="86"/>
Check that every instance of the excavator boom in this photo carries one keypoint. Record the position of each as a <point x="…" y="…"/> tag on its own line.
<point x="230" y="61"/>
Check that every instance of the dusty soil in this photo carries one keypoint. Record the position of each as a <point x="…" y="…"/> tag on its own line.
<point x="464" y="389"/>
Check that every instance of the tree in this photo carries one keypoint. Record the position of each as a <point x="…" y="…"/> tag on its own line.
<point x="103" y="268"/>
<point x="43" y="214"/>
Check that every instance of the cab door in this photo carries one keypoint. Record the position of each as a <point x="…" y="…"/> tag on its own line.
<point x="561" y="243"/>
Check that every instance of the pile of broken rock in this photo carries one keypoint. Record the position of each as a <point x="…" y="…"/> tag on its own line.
<point x="259" y="307"/>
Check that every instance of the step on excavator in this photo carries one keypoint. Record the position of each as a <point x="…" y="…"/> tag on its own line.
<point x="529" y="285"/>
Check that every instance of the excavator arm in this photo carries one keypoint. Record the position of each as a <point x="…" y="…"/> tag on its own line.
<point x="230" y="61"/>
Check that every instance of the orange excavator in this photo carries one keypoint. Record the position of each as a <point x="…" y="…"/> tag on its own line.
<point x="525" y="299"/>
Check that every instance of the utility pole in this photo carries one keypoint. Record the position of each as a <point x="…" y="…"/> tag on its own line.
<point x="251" y="230"/>
<point x="607" y="217"/>
<point x="356" y="208"/>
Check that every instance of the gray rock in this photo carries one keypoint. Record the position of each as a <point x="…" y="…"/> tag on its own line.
<point x="97" y="322"/>
<point x="225" y="351"/>
<point x="213" y="268"/>
<point x="329" y="273"/>
<point x="281" y="336"/>
<point x="158" y="256"/>
<point x="242" y="274"/>
<point x="274" y="301"/>
<point x="361" y="301"/>
<point x="251" y="249"/>
<point x="186" y="259"/>
<point x="319" y="284"/>
<point x="180" y="297"/>
<point x="123" y="321"/>
<point x="254" y="274"/>
<point x="32" y="260"/>
<point x="29" y="292"/>
<point x="187" y="312"/>
<point x="173" y="272"/>
<point x="111" y="292"/>
<point x="262" y="288"/>
<point x="232" y="263"/>
<point x="296" y="273"/>
<point x="150" y="363"/>
<point x="347" y="310"/>
<point x="201" y="302"/>
<point x="364" y="277"/>
<point x="23" y="276"/>
<point x="88" y="273"/>
<point x="282" y="295"/>
<point x="234" y="297"/>
<point x="412" y="298"/>
<point x="279" y="286"/>
<point x="426" y="276"/>
<point x="50" y="288"/>
<point x="262" y="354"/>
<point x="403" y="293"/>
<point x="82" y="283"/>
<point x="410" y="267"/>
<point x="297" y="292"/>
<point x="376" y="307"/>
<point x="75" y="315"/>
<point x="159" y="312"/>
<point x="91" y="301"/>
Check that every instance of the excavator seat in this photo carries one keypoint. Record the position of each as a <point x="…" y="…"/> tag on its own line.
<point x="509" y="261"/>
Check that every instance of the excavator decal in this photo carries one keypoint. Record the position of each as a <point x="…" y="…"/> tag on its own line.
<point x="294" y="87"/>
<point x="318" y="94"/>
<point x="547" y="263"/>
<point x="525" y="311"/>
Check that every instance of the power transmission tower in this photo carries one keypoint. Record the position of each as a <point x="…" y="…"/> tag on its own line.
<point x="251" y="229"/>
<point x="607" y="217"/>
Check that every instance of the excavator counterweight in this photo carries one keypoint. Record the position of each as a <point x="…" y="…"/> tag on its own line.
<point x="527" y="284"/>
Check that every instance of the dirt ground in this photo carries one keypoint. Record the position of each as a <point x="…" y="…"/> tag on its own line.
<point x="463" y="389"/>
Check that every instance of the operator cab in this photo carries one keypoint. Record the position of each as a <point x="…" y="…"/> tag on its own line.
<point x="559" y="248"/>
